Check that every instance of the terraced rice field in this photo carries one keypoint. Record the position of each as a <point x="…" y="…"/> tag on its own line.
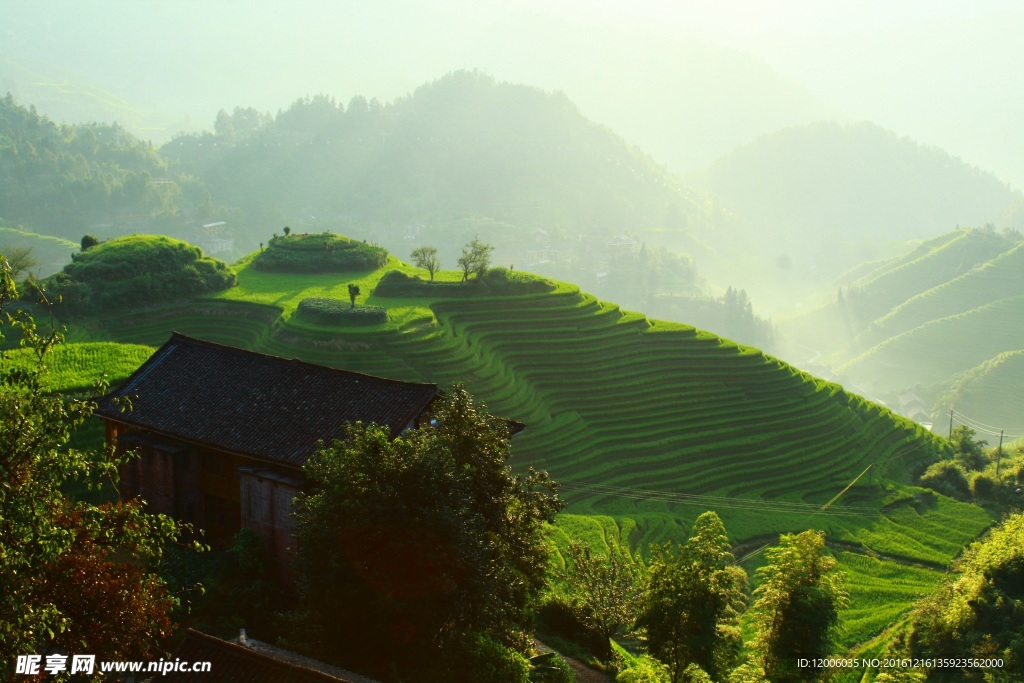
<point x="942" y="348"/>
<point x="646" y="424"/>
<point x="1002" y="276"/>
<point x="76" y="368"/>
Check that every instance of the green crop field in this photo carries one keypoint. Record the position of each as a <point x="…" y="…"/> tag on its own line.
<point x="645" y="424"/>
<point x="77" y="368"/>
<point x="942" y="348"/>
<point x="992" y="390"/>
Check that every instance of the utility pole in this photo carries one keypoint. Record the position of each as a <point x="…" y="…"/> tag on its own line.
<point x="950" y="424"/>
<point x="999" y="453"/>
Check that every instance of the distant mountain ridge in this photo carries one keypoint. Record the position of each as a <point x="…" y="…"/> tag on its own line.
<point x="856" y="180"/>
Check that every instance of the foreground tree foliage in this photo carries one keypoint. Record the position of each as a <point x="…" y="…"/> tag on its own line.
<point x="419" y="552"/>
<point x="603" y="590"/>
<point x="979" y="612"/>
<point x="797" y="610"/>
<point x="692" y="600"/>
<point x="74" y="576"/>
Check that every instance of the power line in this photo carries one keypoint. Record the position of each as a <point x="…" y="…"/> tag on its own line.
<point x="971" y="419"/>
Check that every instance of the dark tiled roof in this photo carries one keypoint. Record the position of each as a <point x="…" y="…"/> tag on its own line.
<point x="250" y="403"/>
<point x="230" y="663"/>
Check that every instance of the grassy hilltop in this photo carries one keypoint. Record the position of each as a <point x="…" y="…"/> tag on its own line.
<point x="646" y="424"/>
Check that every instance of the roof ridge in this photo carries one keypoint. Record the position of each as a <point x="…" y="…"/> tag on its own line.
<point x="235" y="349"/>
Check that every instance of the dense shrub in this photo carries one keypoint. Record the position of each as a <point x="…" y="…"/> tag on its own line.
<point x="133" y="271"/>
<point x="337" y="312"/>
<point x="551" y="668"/>
<point x="323" y="253"/>
<point x="984" y="486"/>
<point x="495" y="282"/>
<point x="644" y="669"/>
<point x="947" y="477"/>
<point x="560" y="619"/>
<point x="480" y="659"/>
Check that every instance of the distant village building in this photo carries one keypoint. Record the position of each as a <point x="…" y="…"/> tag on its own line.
<point x="621" y="245"/>
<point x="213" y="238"/>
<point x="223" y="433"/>
<point x="913" y="407"/>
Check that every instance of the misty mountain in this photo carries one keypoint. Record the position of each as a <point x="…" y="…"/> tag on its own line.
<point x="64" y="180"/>
<point x="952" y="80"/>
<point x="685" y="101"/>
<point x="465" y="147"/>
<point x="855" y="182"/>
<point x="66" y="96"/>
<point x="820" y="199"/>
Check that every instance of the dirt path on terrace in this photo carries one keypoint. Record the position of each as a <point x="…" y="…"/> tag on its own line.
<point x="584" y="674"/>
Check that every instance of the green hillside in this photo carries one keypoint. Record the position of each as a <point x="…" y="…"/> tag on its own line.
<point x="1000" y="277"/>
<point x="904" y="329"/>
<point x="644" y="422"/>
<point x="941" y="348"/>
<point x="991" y="389"/>
<point x="52" y="253"/>
<point x="75" y="368"/>
<point x="869" y="293"/>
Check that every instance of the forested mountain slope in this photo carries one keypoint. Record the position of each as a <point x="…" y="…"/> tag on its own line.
<point x="465" y="146"/>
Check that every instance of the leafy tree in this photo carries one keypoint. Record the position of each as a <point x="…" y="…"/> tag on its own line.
<point x="353" y="292"/>
<point x="967" y="451"/>
<point x="89" y="241"/>
<point x="603" y="590"/>
<point x="475" y="258"/>
<point x="427" y="258"/>
<point x="73" y="575"/>
<point x="948" y="478"/>
<point x="979" y="612"/>
<point x="287" y="231"/>
<point x="692" y="599"/>
<point x="20" y="260"/>
<point x="797" y="610"/>
<point x="414" y="546"/>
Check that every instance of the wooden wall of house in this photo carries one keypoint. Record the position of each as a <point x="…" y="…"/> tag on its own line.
<point x="266" y="498"/>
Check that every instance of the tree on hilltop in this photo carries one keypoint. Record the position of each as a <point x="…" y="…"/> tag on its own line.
<point x="475" y="259"/>
<point x="426" y="258"/>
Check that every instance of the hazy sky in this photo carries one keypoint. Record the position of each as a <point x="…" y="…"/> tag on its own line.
<point x="944" y="72"/>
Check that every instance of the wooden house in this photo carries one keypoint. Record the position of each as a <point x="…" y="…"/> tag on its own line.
<point x="223" y="433"/>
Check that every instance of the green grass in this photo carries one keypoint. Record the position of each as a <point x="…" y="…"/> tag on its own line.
<point x="662" y="412"/>
<point x="78" y="368"/>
